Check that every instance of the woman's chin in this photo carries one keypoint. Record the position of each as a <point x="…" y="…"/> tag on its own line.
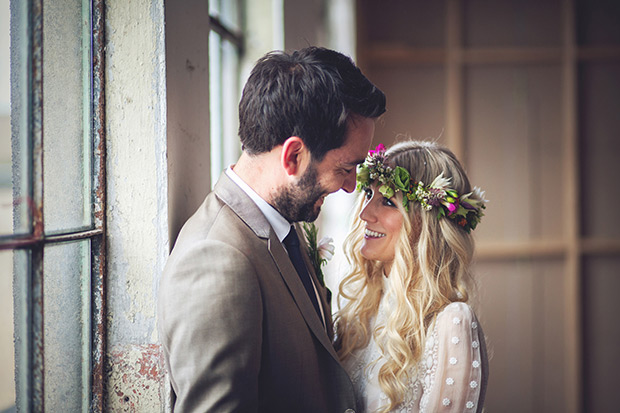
<point x="368" y="253"/>
<point x="371" y="254"/>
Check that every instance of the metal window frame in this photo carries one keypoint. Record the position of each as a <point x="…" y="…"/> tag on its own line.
<point x="36" y="240"/>
<point x="227" y="33"/>
<point x="235" y="37"/>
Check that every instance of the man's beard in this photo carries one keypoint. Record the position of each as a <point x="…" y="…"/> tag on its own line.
<point x="297" y="202"/>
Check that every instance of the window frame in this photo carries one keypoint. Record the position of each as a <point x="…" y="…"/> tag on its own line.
<point x="30" y="392"/>
<point x="221" y="152"/>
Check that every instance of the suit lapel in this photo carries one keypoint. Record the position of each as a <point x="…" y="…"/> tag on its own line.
<point x="295" y="286"/>
<point x="242" y="205"/>
<point x="320" y="288"/>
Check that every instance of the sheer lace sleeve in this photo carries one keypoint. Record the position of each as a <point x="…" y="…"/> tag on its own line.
<point x="455" y="350"/>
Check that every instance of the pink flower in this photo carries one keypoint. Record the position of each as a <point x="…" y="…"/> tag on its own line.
<point x="379" y="148"/>
<point x="451" y="205"/>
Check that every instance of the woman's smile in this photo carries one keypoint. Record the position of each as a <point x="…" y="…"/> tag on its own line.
<point x="368" y="233"/>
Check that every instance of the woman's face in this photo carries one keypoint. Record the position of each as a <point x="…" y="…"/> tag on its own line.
<point x="383" y="225"/>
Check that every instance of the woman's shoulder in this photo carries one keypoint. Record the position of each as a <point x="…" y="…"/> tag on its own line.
<point x="457" y="313"/>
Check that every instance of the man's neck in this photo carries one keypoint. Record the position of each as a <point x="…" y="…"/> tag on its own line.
<point x="261" y="172"/>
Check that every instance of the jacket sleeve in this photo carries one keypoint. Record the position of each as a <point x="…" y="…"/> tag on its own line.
<point x="210" y="315"/>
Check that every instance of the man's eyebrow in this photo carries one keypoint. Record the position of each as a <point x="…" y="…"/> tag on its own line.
<point x="355" y="162"/>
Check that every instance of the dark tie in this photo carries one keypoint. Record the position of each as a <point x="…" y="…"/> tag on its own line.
<point x="291" y="242"/>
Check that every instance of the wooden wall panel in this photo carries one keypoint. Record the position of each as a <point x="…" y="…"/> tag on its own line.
<point x="530" y="103"/>
<point x="599" y="95"/>
<point x="601" y="334"/>
<point x="524" y="331"/>
<point x="403" y="22"/>
<point x="514" y="149"/>
<point x="598" y="22"/>
<point x="415" y="105"/>
<point x="509" y="23"/>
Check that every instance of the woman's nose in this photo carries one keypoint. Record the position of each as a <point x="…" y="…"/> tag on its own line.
<point x="368" y="213"/>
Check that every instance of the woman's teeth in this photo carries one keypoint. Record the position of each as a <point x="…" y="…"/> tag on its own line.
<point x="373" y="234"/>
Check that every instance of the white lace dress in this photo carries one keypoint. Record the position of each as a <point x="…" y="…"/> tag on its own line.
<point x="451" y="377"/>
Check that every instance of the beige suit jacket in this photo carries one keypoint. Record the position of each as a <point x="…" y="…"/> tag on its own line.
<point x="238" y="330"/>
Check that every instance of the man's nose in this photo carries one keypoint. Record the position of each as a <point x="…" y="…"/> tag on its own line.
<point x="349" y="182"/>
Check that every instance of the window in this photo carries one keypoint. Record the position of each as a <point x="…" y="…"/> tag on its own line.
<point x="225" y="48"/>
<point x="52" y="189"/>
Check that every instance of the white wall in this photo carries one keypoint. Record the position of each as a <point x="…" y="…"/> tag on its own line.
<point x="137" y="200"/>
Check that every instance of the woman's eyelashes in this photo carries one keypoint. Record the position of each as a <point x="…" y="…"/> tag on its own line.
<point x="388" y="202"/>
<point x="368" y="194"/>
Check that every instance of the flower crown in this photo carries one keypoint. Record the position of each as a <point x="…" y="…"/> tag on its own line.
<point x="465" y="210"/>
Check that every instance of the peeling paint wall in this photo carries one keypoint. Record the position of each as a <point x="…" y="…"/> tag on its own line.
<point x="137" y="201"/>
<point x="134" y="382"/>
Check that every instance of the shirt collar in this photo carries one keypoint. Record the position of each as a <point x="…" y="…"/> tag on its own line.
<point x="279" y="224"/>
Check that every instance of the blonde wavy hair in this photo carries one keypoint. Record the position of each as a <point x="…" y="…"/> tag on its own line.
<point x="431" y="269"/>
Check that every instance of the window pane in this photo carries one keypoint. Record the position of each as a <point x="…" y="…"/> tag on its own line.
<point x="227" y="11"/>
<point x="19" y="267"/>
<point x="6" y="209"/>
<point x="215" y="105"/>
<point x="14" y="166"/>
<point x="214" y="7"/>
<point x="231" y="148"/>
<point x="66" y="116"/>
<point x="230" y="14"/>
<point x="67" y="326"/>
<point x="7" y="364"/>
<point x="223" y="103"/>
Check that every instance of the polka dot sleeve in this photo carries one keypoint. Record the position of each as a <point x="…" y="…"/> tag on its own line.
<point x="456" y="380"/>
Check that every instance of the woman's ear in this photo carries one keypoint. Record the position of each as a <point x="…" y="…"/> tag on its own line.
<point x="293" y="156"/>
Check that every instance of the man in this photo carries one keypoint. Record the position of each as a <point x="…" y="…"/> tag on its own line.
<point x="243" y="320"/>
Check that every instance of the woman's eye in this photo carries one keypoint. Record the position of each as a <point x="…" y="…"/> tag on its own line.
<point x="388" y="202"/>
<point x="368" y="193"/>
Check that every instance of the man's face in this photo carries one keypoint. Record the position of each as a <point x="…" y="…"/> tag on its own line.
<point x="302" y="202"/>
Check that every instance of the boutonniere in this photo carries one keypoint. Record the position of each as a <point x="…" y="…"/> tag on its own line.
<point x="320" y="251"/>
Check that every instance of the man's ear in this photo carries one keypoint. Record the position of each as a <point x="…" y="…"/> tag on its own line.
<point x="294" y="154"/>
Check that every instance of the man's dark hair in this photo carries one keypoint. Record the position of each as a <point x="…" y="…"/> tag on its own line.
<point x="310" y="93"/>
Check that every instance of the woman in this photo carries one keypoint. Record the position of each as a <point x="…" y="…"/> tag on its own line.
<point x="405" y="333"/>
